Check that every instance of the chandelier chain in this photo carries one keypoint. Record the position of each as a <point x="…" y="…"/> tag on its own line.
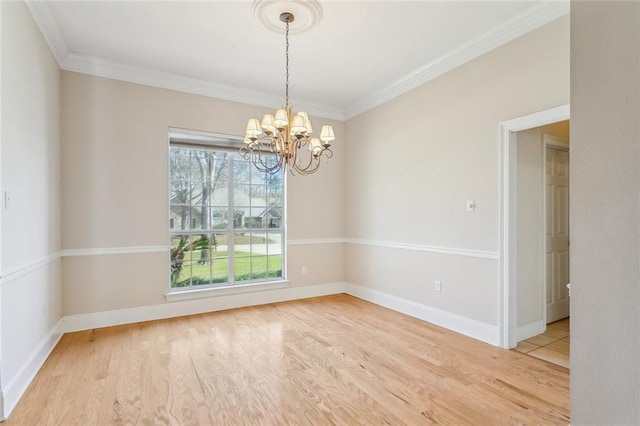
<point x="286" y="101"/>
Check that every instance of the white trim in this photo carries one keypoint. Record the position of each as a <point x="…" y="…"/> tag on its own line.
<point x="19" y="383"/>
<point x="431" y="249"/>
<point x="527" y="21"/>
<point x="556" y="311"/>
<point x="467" y="326"/>
<point x="102" y="251"/>
<point x="100" y="67"/>
<point x="178" y="294"/>
<point x="508" y="265"/>
<point x="508" y="211"/>
<point x="106" y="68"/>
<point x="197" y="306"/>
<point x="529" y="330"/>
<point x="314" y="241"/>
<point x="45" y="20"/>
<point x="28" y="268"/>
<point x="537" y="119"/>
<point x="114" y="250"/>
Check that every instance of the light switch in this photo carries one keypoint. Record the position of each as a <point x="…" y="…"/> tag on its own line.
<point x="471" y="205"/>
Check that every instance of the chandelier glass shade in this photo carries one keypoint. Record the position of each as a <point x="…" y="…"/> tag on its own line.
<point x="283" y="140"/>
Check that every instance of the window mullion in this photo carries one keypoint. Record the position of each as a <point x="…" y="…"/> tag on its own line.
<point x="230" y="225"/>
<point x="251" y="213"/>
<point x="210" y="231"/>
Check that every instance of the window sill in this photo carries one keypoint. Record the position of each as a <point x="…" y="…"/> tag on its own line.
<point x="199" y="293"/>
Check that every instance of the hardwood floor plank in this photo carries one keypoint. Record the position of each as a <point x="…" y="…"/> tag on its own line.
<point x="329" y="360"/>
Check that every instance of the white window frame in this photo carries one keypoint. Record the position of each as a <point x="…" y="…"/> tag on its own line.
<point x="230" y="143"/>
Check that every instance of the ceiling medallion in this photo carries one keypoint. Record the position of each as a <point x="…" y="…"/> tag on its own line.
<point x="283" y="140"/>
<point x="308" y="14"/>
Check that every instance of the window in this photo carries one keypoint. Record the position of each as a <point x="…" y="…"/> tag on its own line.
<point x="226" y="217"/>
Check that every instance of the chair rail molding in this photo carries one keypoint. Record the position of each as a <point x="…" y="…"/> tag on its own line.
<point x="25" y="269"/>
<point x="482" y="254"/>
<point x="102" y="251"/>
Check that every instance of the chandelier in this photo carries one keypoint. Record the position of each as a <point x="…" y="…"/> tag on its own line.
<point x="283" y="140"/>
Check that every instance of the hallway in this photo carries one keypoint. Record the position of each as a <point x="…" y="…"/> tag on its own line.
<point x="552" y="345"/>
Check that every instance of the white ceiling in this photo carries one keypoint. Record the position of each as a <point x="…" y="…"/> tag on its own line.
<point x="362" y="53"/>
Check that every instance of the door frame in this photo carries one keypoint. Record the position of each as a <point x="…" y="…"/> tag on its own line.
<point x="508" y="213"/>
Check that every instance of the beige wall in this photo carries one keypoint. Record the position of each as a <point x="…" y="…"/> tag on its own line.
<point x="530" y="220"/>
<point x="605" y="213"/>
<point x="415" y="160"/>
<point x="30" y="289"/>
<point x="115" y="190"/>
<point x="438" y="148"/>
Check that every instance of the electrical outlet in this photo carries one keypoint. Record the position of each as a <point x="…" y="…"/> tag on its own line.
<point x="305" y="270"/>
<point x="438" y="286"/>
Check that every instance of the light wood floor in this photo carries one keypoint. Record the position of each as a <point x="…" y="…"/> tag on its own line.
<point x="329" y="360"/>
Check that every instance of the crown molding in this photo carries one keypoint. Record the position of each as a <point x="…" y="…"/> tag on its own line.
<point x="532" y="18"/>
<point x="43" y="15"/>
<point x="101" y="67"/>
<point x="529" y="20"/>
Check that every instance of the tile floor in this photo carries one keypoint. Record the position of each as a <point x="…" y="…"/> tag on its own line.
<point x="552" y="345"/>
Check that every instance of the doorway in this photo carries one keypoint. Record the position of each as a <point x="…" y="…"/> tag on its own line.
<point x="542" y="306"/>
<point x="553" y="345"/>
<point x="542" y="227"/>
<point x="513" y="243"/>
<point x="556" y="165"/>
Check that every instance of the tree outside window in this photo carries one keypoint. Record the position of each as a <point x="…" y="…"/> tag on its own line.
<point x="224" y="218"/>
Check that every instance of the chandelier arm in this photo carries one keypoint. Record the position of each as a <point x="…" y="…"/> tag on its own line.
<point x="248" y="153"/>
<point x="328" y="152"/>
<point x="309" y="168"/>
<point x="254" y="153"/>
<point x="325" y="152"/>
<point x="296" y="159"/>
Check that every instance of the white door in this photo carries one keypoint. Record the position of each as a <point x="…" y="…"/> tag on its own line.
<point x="557" y="232"/>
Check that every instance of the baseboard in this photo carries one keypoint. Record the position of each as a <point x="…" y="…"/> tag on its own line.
<point x="557" y="311"/>
<point x="16" y="387"/>
<point x="2" y="417"/>
<point x="530" y="330"/>
<point x="463" y="325"/>
<point x="196" y="306"/>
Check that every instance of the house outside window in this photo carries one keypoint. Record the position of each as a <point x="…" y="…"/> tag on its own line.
<point x="225" y="216"/>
